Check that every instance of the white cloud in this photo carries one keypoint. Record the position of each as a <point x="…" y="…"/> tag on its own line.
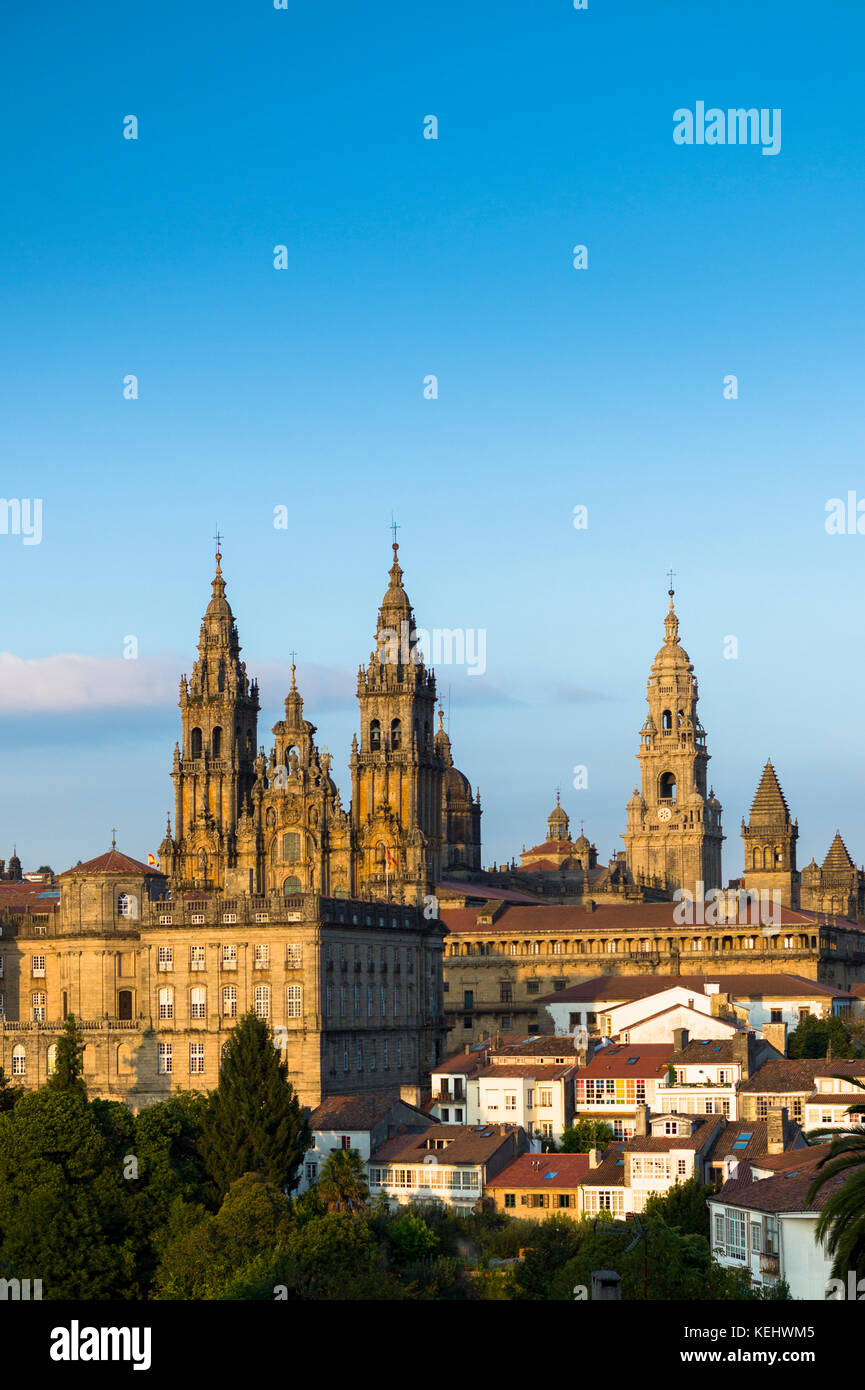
<point x="72" y="682"/>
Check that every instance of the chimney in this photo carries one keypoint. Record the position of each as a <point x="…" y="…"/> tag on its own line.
<point x="641" y="1121"/>
<point x="776" y="1034"/>
<point x="594" y="1157"/>
<point x="680" y="1039"/>
<point x="743" y="1051"/>
<point x="590" y="905"/>
<point x="411" y="1095"/>
<point x="777" y="1128"/>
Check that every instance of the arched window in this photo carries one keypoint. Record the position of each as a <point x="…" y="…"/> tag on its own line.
<point x="379" y="857"/>
<point x="374" y="735"/>
<point x="395" y="733"/>
<point x="198" y="1002"/>
<point x="261" y="1001"/>
<point x="37" y="1006"/>
<point x="195" y="744"/>
<point x="127" y="905"/>
<point x="216" y="743"/>
<point x="51" y="1059"/>
<point x="756" y="859"/>
<point x="666" y="720"/>
<point x="124" y="1004"/>
<point x="290" y="885"/>
<point x="291" y="847"/>
<point x="166" y="1002"/>
<point x="19" y="1061"/>
<point x="667" y="786"/>
<point x="767" y="859"/>
<point x="229" y="1001"/>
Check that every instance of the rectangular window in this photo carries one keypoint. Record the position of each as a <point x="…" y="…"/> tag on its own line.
<point x="544" y="1097"/>
<point x="166" y="1003"/>
<point x="506" y="992"/>
<point x="357" y="1001"/>
<point x="359" y="1057"/>
<point x="198" y="1003"/>
<point x="510" y="1199"/>
<point x="196" y="1059"/>
<point x="369" y="1001"/>
<point x="328" y="1000"/>
<point x="262" y="1001"/>
<point x="293" y="957"/>
<point x="229" y="1002"/>
<point x="164" y="958"/>
<point x="311" y="1172"/>
<point x="383" y="1001"/>
<point x="294" y="1001"/>
<point x="345" y="1056"/>
<point x="681" y="1167"/>
<point x="164" y="1059"/>
<point x="342" y="1000"/>
<point x="399" y="1052"/>
<point x="736" y="1234"/>
<point x="261" y="957"/>
<point x="196" y="958"/>
<point x="229" y="957"/>
<point x="291" y="848"/>
<point x="719" y="1228"/>
<point x="510" y="1100"/>
<point x="37" y="1004"/>
<point x="756" y="1237"/>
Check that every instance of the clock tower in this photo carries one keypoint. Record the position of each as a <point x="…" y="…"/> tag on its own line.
<point x="674" y="836"/>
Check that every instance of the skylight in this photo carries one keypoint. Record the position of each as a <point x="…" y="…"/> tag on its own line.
<point x="741" y="1144"/>
<point x="554" y="1174"/>
<point x="632" y="1060"/>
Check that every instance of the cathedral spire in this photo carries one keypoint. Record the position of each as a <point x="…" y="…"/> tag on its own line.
<point x="671" y="622"/>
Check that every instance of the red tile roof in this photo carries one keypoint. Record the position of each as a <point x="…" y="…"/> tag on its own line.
<point x="543" y="1171"/>
<point x="784" y="1192"/>
<point x="462" y="1144"/>
<point x="613" y="1061"/>
<point x="355" y="1112"/>
<point x="626" y="988"/>
<point x="794" y="1075"/>
<point x="113" y="862"/>
<point x="567" y="920"/>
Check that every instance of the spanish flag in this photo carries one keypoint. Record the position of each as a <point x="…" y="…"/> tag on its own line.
<point x="152" y="861"/>
<point x="389" y="856"/>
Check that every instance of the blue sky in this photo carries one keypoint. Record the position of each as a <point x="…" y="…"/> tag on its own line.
<point x="557" y="387"/>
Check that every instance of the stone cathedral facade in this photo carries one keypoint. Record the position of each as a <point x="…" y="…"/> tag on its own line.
<point x="248" y="823"/>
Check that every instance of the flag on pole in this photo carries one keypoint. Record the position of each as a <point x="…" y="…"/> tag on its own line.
<point x="152" y="861"/>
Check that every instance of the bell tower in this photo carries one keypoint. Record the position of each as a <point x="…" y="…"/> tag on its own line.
<point x="214" y="764"/>
<point x="674" y="836"/>
<point x="770" y="842"/>
<point x="396" y="770"/>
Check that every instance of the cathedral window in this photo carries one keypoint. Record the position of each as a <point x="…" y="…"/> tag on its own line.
<point x="216" y="743"/>
<point x="374" y="735"/>
<point x="195" y="745"/>
<point x="289" y="886"/>
<point x="395" y="733"/>
<point x="667" y="786"/>
<point x="291" y="847"/>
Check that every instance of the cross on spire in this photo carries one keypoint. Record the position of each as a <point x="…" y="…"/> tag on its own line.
<point x="394" y="528"/>
<point x="670" y="573"/>
<point x="113" y="837"/>
<point x="218" y="539"/>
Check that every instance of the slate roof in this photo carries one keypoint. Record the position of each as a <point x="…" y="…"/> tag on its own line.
<point x="769" y="803"/>
<point x="626" y="988"/>
<point x="463" y="1144"/>
<point x="353" y="1112"/>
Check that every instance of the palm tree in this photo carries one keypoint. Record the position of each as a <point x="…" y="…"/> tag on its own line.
<point x="342" y="1184"/>
<point x="841" y="1223"/>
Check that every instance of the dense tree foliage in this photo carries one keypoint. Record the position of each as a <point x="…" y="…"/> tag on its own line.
<point x="813" y="1036"/>
<point x="584" y="1135"/>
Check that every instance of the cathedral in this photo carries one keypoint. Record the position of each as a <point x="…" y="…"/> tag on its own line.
<point x="248" y="823"/>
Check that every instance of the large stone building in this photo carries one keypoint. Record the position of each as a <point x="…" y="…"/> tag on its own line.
<point x="247" y="824"/>
<point x="353" y="990"/>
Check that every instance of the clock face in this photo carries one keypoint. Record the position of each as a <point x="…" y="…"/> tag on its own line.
<point x="664" y="813"/>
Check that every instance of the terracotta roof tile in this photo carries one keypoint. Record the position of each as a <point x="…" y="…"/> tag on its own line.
<point x="543" y="1171"/>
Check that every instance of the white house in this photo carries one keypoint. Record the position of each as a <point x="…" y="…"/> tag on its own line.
<point x="705" y="1073"/>
<point x="451" y="1163"/>
<point x="537" y="1096"/>
<point x="359" y="1122"/>
<point x="617" y="1080"/>
<point x="767" y="1225"/>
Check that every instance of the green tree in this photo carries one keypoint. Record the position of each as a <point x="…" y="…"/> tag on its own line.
<point x="342" y="1185"/>
<point x="684" y="1207"/>
<point x="841" y="1223"/>
<point x="335" y="1258"/>
<point x="69" y="1069"/>
<point x="254" y="1122"/>
<point x="66" y="1215"/>
<point x="556" y="1241"/>
<point x="411" y="1238"/>
<point x="586" y="1134"/>
<point x="812" y="1036"/>
<point x="209" y="1253"/>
